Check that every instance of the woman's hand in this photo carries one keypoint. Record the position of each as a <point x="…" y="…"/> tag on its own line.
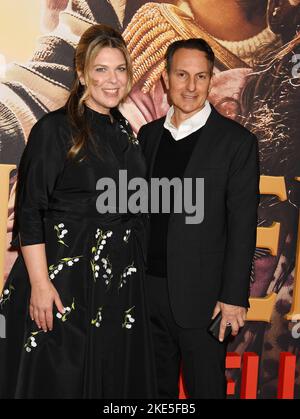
<point x="41" y="304"/>
<point x="43" y="292"/>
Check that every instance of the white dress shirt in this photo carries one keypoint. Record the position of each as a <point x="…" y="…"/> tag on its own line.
<point x="188" y="126"/>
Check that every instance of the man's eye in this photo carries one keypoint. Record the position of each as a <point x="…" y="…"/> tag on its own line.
<point x="181" y="75"/>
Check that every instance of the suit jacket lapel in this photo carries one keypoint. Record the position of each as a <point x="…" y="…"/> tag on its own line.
<point x="210" y="130"/>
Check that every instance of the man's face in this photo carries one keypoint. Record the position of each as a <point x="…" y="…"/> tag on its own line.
<point x="188" y="81"/>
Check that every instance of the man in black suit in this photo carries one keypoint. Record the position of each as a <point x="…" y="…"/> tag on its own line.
<point x="197" y="270"/>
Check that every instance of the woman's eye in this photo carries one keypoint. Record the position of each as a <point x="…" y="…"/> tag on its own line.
<point x="100" y="69"/>
<point x="122" y="69"/>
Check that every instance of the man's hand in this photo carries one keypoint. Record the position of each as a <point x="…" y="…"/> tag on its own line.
<point x="235" y="315"/>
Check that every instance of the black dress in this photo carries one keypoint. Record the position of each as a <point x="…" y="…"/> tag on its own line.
<point x="101" y="346"/>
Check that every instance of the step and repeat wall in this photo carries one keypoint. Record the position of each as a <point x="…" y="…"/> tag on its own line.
<point x="256" y="82"/>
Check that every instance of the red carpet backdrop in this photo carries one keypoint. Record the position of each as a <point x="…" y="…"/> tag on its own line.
<point x="256" y="82"/>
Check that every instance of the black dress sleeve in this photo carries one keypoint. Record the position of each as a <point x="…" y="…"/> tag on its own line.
<point x="41" y="164"/>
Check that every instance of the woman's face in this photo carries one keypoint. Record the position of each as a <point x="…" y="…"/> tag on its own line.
<point x="108" y="78"/>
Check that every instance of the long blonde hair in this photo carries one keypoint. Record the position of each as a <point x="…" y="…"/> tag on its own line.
<point x="91" y="42"/>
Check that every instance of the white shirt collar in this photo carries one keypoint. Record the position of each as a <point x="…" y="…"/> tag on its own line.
<point x="188" y="126"/>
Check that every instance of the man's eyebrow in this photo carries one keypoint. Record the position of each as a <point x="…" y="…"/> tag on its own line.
<point x="200" y="72"/>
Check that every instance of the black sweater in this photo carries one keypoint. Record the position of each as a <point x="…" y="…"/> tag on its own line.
<point x="171" y="160"/>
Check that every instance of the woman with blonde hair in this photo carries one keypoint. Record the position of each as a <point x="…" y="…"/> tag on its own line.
<point x="76" y="318"/>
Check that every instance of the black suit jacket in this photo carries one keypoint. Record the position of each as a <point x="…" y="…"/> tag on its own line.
<point x="211" y="261"/>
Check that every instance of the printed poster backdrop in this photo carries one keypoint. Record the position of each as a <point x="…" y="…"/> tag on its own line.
<point x="256" y="83"/>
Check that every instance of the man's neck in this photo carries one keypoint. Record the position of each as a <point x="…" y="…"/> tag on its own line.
<point x="226" y="19"/>
<point x="179" y="117"/>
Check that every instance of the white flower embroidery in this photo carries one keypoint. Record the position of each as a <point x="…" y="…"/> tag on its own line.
<point x="6" y="294"/>
<point x="64" y="317"/>
<point x="128" y="271"/>
<point x="126" y="236"/>
<point x="31" y="342"/>
<point x="128" y="318"/>
<point x="128" y="132"/>
<point x="96" y="250"/>
<point x="107" y="266"/>
<point x="54" y="270"/>
<point x="98" y="319"/>
<point x="60" y="233"/>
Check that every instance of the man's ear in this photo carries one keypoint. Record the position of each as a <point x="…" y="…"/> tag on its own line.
<point x="210" y="82"/>
<point x="165" y="77"/>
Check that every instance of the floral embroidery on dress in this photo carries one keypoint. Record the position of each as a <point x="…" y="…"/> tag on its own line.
<point x="128" y="131"/>
<point x="31" y="342"/>
<point x="128" y="319"/>
<point x="98" y="319"/>
<point x="6" y="294"/>
<point x="127" y="235"/>
<point x="96" y="250"/>
<point x="54" y="270"/>
<point x="61" y="231"/>
<point x="64" y="317"/>
<point x="126" y="272"/>
<point x="107" y="266"/>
